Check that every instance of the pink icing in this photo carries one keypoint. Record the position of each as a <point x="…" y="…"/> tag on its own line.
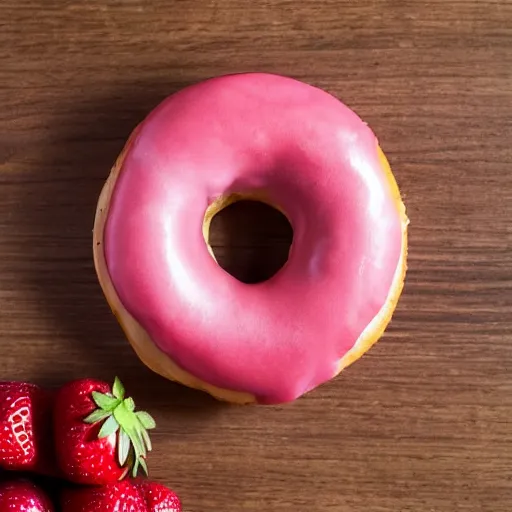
<point x="314" y="158"/>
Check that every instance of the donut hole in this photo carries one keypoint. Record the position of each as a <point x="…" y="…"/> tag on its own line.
<point x="250" y="240"/>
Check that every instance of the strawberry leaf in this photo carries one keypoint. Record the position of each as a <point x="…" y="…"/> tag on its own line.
<point x="97" y="415"/>
<point x="142" y="442"/>
<point x="118" y="389"/>
<point x="146" y="420"/>
<point x="138" y="443"/>
<point x="105" y="402"/>
<point x="129" y="404"/>
<point x="130" y="424"/>
<point x="144" y="466"/>
<point x="147" y="440"/>
<point x="123" y="416"/>
<point x="135" y="469"/>
<point x="109" y="427"/>
<point x="123" y="448"/>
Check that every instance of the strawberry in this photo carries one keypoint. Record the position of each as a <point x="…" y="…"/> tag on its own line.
<point x="23" y="496"/>
<point x="158" y="497"/>
<point x="126" y="496"/>
<point x="99" y="438"/>
<point x="25" y="428"/>
<point x="114" y="497"/>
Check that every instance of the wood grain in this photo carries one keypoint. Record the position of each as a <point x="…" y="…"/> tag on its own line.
<point x="423" y="423"/>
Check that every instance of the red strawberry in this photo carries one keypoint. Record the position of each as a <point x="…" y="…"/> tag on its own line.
<point x="125" y="496"/>
<point x="158" y="497"/>
<point x="114" y="497"/>
<point x="23" y="496"/>
<point x="99" y="437"/>
<point x="25" y="428"/>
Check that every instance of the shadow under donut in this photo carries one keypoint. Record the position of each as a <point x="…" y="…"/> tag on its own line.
<point x="87" y="132"/>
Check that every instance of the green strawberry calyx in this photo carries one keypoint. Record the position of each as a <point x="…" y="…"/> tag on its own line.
<point x="131" y="427"/>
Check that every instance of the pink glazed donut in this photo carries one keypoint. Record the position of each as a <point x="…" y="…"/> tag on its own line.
<point x="297" y="148"/>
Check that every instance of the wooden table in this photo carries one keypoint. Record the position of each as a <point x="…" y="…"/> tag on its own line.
<point x="424" y="422"/>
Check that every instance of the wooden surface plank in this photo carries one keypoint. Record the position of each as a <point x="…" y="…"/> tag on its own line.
<point x="423" y="423"/>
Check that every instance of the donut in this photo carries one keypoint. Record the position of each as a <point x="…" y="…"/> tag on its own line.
<point x="268" y="138"/>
